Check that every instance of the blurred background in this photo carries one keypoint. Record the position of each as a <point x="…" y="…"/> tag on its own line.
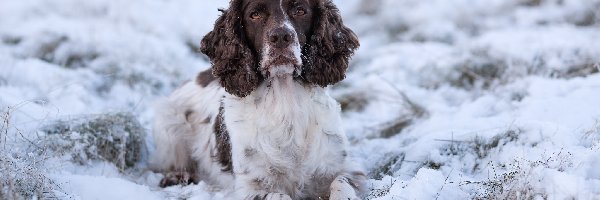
<point x="445" y="99"/>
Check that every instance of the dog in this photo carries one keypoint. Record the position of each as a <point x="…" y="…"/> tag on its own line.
<point x="260" y="121"/>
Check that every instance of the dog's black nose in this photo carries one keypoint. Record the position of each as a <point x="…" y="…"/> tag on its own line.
<point x="281" y="37"/>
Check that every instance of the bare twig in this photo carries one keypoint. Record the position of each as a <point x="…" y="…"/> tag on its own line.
<point x="445" y="182"/>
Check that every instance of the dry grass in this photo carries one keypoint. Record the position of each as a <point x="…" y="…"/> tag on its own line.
<point x="531" y="2"/>
<point x="473" y="151"/>
<point x="22" y="176"/>
<point x="386" y="167"/>
<point x="482" y="71"/>
<point x="116" y="138"/>
<point x="52" y="47"/>
<point x="591" y="136"/>
<point x="354" y="101"/>
<point x="414" y="112"/>
<point x="410" y="113"/>
<point x="515" y="183"/>
<point x="382" y="191"/>
<point x="517" y="179"/>
<point x="579" y="70"/>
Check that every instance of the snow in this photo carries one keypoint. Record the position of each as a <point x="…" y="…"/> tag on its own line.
<point x="106" y="188"/>
<point x="500" y="97"/>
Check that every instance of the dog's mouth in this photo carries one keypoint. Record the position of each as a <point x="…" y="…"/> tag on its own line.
<point x="277" y="63"/>
<point x="281" y="61"/>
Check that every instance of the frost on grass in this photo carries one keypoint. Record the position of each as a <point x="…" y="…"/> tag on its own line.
<point x="413" y="111"/>
<point x="579" y="70"/>
<point x="386" y="167"/>
<point x="355" y="101"/>
<point x="403" y="111"/>
<point x="481" y="70"/>
<point x="522" y="178"/>
<point x="116" y="138"/>
<point x="21" y="176"/>
<point x="591" y="136"/>
<point x="381" y="191"/>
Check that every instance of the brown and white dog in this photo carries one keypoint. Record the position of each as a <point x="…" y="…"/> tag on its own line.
<point x="261" y="121"/>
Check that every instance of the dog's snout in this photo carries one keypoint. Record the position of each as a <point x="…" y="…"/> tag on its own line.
<point x="281" y="37"/>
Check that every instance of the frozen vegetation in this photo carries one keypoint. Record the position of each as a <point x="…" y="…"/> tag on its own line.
<point x="446" y="99"/>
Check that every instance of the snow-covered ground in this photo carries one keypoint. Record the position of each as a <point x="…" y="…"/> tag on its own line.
<point x="446" y="99"/>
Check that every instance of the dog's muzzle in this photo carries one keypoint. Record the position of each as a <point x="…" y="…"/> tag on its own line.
<point x="282" y="53"/>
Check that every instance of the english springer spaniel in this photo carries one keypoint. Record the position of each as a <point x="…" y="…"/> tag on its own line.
<point x="261" y="121"/>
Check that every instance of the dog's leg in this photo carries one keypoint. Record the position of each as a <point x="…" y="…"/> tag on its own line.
<point x="253" y="192"/>
<point x="251" y="185"/>
<point x="179" y="178"/>
<point x="342" y="189"/>
<point x="347" y="186"/>
<point x="268" y="196"/>
<point x="183" y="134"/>
<point x="172" y="155"/>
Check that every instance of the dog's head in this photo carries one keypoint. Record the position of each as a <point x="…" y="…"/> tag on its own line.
<point x="255" y="40"/>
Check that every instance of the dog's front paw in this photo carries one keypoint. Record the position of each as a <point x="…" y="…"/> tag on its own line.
<point x="178" y="178"/>
<point x="342" y="189"/>
<point x="273" y="196"/>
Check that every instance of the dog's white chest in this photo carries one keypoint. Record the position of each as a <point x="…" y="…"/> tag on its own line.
<point x="284" y="135"/>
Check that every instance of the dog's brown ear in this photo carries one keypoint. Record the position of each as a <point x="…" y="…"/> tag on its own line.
<point x="330" y="47"/>
<point x="233" y="62"/>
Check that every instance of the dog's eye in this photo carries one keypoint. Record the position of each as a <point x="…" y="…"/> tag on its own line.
<point x="300" y="11"/>
<point x="255" y="16"/>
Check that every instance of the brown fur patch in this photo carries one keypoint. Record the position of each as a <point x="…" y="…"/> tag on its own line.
<point x="206" y="77"/>
<point x="249" y="152"/>
<point x="206" y="120"/>
<point x="181" y="176"/>
<point x="329" y="49"/>
<point x="223" y="153"/>
<point x="233" y="62"/>
<point x="257" y="182"/>
<point x="325" y="56"/>
<point x="188" y="114"/>
<point x="260" y="197"/>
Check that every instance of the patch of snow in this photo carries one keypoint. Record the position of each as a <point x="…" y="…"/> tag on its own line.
<point x="445" y="99"/>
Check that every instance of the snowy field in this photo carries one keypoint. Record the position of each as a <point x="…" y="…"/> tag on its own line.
<point x="446" y="99"/>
